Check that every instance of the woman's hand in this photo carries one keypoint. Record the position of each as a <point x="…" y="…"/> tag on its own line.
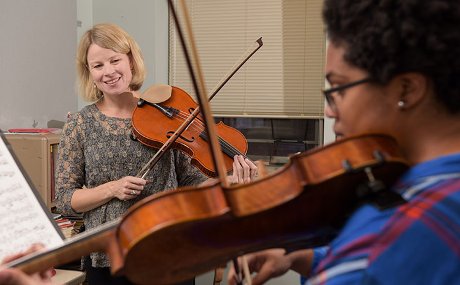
<point x="244" y="170"/>
<point x="13" y="276"/>
<point x="127" y="188"/>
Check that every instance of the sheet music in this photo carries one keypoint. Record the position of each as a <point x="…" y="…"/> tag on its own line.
<point x="23" y="221"/>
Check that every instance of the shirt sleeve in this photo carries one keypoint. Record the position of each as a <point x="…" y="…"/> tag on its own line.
<point x="187" y="174"/>
<point x="70" y="170"/>
<point x="318" y="254"/>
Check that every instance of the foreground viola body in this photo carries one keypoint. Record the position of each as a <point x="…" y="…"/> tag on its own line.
<point x="176" y="235"/>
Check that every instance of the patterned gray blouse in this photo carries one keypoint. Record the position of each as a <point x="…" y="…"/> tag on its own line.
<point x="95" y="149"/>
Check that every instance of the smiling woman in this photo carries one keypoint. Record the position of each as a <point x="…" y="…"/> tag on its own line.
<point x="107" y="44"/>
<point x="110" y="71"/>
<point x="98" y="161"/>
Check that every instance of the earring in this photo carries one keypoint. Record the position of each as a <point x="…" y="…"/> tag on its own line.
<point x="401" y="104"/>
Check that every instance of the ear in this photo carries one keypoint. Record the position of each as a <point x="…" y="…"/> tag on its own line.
<point x="413" y="88"/>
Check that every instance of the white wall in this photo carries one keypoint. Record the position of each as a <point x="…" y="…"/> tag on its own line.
<point x="37" y="54"/>
<point x="84" y="22"/>
<point x="328" y="134"/>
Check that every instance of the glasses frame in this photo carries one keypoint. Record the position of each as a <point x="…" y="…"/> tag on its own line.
<point x="328" y="92"/>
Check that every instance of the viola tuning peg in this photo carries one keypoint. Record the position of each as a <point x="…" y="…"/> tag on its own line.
<point x="157" y="93"/>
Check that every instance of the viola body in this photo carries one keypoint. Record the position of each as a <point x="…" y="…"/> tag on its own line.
<point x="176" y="235"/>
<point x="153" y="128"/>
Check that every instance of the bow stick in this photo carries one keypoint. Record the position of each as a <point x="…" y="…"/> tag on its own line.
<point x="200" y="90"/>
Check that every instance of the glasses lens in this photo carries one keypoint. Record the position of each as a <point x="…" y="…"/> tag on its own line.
<point x="329" y="99"/>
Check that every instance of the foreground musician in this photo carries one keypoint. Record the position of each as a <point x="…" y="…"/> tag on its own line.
<point x="98" y="161"/>
<point x="394" y="68"/>
<point x="13" y="276"/>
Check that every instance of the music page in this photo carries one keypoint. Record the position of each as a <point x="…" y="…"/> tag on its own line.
<point x="23" y="219"/>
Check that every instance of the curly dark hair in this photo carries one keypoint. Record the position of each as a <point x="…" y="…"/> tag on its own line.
<point x="390" y="37"/>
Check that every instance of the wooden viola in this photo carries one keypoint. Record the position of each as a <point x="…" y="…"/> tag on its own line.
<point x="176" y="235"/>
<point x="154" y="124"/>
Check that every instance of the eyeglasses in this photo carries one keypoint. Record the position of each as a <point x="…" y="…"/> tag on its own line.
<point x="328" y="92"/>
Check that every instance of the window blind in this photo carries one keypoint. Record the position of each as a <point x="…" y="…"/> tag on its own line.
<point x="283" y="79"/>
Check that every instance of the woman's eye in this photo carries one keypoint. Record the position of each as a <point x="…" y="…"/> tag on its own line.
<point x="97" y="66"/>
<point x="115" y="61"/>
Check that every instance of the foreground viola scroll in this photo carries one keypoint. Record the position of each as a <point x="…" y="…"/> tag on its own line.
<point x="190" y="231"/>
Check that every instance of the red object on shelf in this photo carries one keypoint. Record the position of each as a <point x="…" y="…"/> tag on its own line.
<point x="43" y="130"/>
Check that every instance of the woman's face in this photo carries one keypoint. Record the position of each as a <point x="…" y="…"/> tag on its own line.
<point x="363" y="108"/>
<point x="110" y="70"/>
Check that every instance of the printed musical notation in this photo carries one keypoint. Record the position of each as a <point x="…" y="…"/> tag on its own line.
<point x="23" y="220"/>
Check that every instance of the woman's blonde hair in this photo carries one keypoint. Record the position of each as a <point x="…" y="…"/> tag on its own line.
<point x="112" y="37"/>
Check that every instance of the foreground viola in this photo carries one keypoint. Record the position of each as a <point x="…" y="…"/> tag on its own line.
<point x="176" y="235"/>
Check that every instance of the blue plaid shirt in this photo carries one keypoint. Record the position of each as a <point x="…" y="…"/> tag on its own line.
<point x="415" y="243"/>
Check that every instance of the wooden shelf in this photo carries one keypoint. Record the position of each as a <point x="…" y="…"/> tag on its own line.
<point x="68" y="277"/>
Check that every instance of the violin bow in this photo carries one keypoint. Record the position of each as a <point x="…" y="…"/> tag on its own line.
<point x="200" y="90"/>
<point x="153" y="161"/>
<point x="199" y="86"/>
<point x="260" y="43"/>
